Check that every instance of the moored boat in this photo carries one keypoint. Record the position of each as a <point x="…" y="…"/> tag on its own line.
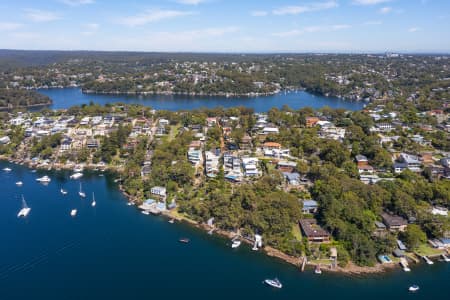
<point x="44" y="179"/>
<point x="445" y="258"/>
<point x="273" y="283"/>
<point x="317" y="270"/>
<point x="76" y="176"/>
<point x="414" y="288"/>
<point x="235" y="243"/>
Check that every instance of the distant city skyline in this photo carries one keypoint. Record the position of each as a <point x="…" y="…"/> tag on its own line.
<point x="227" y="25"/>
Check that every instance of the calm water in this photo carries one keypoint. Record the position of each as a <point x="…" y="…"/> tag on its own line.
<point x="64" y="98"/>
<point x="113" y="251"/>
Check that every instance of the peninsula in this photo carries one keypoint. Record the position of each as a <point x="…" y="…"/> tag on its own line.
<point x="349" y="191"/>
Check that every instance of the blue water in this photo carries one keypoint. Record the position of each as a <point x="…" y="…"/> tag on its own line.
<point x="65" y="98"/>
<point x="113" y="251"/>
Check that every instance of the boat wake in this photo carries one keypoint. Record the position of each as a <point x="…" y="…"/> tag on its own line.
<point x="9" y="270"/>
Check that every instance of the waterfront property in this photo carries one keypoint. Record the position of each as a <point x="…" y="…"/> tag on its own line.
<point x="313" y="232"/>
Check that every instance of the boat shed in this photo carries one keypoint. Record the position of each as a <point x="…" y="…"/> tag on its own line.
<point x="401" y="246"/>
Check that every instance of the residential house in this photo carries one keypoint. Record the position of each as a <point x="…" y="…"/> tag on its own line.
<point x="292" y="178"/>
<point x="310" y="206"/>
<point x="286" y="166"/>
<point x="313" y="232"/>
<point x="412" y="162"/>
<point x="394" y="222"/>
<point x="312" y="121"/>
<point x="246" y="143"/>
<point x="250" y="166"/>
<point x="159" y="191"/>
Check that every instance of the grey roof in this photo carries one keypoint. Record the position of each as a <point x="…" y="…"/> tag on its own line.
<point x="291" y="176"/>
<point x="310" y="203"/>
<point x="360" y="158"/>
<point x="380" y="225"/>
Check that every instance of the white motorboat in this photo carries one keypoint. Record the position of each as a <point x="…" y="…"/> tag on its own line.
<point x="93" y="203"/>
<point x="236" y="243"/>
<point x="7" y="169"/>
<point x="171" y="221"/>
<point x="145" y="212"/>
<point x="273" y="283"/>
<point x="63" y="191"/>
<point x="44" y="179"/>
<point x="81" y="193"/>
<point x="73" y="212"/>
<point x="318" y="271"/>
<point x="25" y="209"/>
<point x="414" y="288"/>
<point x="19" y="183"/>
<point x="129" y="203"/>
<point x="445" y="258"/>
<point x="76" y="176"/>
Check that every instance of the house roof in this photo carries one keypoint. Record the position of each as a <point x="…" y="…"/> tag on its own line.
<point x="312" y="229"/>
<point x="393" y="220"/>
<point x="360" y="158"/>
<point x="310" y="203"/>
<point x="272" y="145"/>
<point x="291" y="176"/>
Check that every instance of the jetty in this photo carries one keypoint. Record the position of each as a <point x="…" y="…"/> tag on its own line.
<point x="404" y="264"/>
<point x="427" y="260"/>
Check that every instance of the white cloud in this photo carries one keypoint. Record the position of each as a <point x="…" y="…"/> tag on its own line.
<point x="413" y="29"/>
<point x="7" y="26"/>
<point x="151" y="16"/>
<point x="385" y="10"/>
<point x="369" y="2"/>
<point x="295" y="10"/>
<point x="37" y="15"/>
<point x="191" y="2"/>
<point x="259" y="13"/>
<point x="77" y="2"/>
<point x="311" y="29"/>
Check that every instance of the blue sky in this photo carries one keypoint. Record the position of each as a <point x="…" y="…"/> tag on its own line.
<point x="227" y="25"/>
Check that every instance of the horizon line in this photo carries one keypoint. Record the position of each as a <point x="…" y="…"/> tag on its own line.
<point x="405" y="52"/>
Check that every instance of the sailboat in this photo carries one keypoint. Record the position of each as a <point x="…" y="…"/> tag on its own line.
<point x="81" y="193"/>
<point x="25" y="209"/>
<point x="93" y="200"/>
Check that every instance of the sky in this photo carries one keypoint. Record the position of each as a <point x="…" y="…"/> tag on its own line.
<point x="227" y="25"/>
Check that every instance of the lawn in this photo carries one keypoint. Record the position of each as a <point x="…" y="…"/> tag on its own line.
<point x="427" y="250"/>
<point x="296" y="232"/>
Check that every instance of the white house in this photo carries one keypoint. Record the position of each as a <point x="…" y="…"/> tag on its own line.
<point x="159" y="191"/>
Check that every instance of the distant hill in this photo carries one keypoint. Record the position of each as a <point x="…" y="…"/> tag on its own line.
<point x="30" y="58"/>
